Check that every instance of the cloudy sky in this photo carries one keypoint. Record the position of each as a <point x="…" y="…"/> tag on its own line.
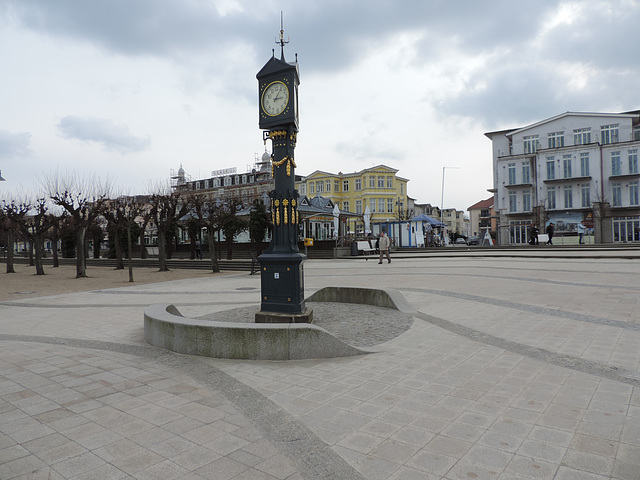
<point x="131" y="89"/>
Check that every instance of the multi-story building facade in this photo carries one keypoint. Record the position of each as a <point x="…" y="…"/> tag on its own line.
<point x="571" y="168"/>
<point x="482" y="218"/>
<point x="378" y="188"/>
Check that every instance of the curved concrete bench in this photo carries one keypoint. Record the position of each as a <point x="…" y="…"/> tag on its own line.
<point x="165" y="327"/>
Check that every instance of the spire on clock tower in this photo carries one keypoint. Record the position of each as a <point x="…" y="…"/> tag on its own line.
<point x="282" y="42"/>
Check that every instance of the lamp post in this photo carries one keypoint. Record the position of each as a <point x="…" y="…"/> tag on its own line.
<point x="442" y="197"/>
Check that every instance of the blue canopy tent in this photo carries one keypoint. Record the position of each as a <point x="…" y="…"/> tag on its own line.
<point x="426" y="218"/>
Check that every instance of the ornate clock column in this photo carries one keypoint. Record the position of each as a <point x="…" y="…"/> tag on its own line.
<point x="281" y="265"/>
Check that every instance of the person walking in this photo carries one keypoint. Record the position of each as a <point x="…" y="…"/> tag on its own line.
<point x="384" y="243"/>
<point x="198" y="250"/>
<point x="549" y="231"/>
<point x="581" y="230"/>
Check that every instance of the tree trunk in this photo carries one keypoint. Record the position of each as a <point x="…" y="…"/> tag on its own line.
<point x="143" y="249"/>
<point x="54" y="243"/>
<point x="10" y="248"/>
<point x="215" y="266"/>
<point x="118" y="248"/>
<point x="162" y="251"/>
<point x="31" y="262"/>
<point x="39" y="247"/>
<point x="81" y="251"/>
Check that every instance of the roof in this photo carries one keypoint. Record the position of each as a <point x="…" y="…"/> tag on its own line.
<point x="488" y="203"/>
<point x="513" y="131"/>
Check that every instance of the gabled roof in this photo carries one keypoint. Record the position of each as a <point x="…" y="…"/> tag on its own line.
<point x="488" y="203"/>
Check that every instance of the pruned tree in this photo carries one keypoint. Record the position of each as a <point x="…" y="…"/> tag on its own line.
<point x="259" y="223"/>
<point x="210" y="213"/>
<point x="166" y="209"/>
<point x="35" y="227"/>
<point x="232" y="225"/>
<point x="83" y="200"/>
<point x="14" y="214"/>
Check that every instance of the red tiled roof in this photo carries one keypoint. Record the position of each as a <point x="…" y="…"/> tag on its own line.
<point x="488" y="203"/>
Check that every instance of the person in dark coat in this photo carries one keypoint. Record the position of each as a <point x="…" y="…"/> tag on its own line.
<point x="549" y="230"/>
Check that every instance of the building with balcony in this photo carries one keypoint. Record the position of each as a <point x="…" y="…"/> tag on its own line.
<point x="482" y="218"/>
<point x="571" y="168"/>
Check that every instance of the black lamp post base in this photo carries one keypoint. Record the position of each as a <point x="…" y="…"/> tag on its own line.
<point x="275" y="317"/>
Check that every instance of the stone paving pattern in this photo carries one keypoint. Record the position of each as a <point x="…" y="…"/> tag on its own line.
<point x="511" y="368"/>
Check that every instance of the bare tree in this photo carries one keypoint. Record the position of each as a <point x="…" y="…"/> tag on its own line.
<point x="35" y="227"/>
<point x="83" y="199"/>
<point x="211" y="213"/>
<point x="166" y="209"/>
<point x="14" y="213"/>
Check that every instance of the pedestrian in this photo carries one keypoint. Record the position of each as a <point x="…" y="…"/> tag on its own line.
<point x="533" y="235"/>
<point x="581" y="230"/>
<point x="198" y="250"/>
<point x="384" y="243"/>
<point x="550" y="233"/>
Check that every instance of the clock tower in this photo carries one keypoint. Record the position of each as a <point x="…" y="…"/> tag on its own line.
<point x="281" y="265"/>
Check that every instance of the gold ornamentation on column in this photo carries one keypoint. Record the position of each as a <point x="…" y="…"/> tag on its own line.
<point x="288" y="160"/>
<point x="294" y="211"/>
<point x="277" y="203"/>
<point x="285" y="204"/>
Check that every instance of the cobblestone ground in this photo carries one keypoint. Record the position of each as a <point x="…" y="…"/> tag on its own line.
<point x="514" y="365"/>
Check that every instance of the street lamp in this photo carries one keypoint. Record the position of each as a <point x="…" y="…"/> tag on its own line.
<point x="442" y="198"/>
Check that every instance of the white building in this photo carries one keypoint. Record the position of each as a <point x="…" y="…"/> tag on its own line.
<point x="571" y="168"/>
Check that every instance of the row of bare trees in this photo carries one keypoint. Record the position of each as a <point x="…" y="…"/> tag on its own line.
<point x="70" y="205"/>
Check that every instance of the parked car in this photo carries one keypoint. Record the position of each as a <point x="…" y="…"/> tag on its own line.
<point x="473" y="241"/>
<point x="460" y="241"/>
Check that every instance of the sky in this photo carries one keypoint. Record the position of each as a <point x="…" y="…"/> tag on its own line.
<point x="127" y="91"/>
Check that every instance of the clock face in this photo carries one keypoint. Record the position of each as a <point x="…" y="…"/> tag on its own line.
<point x="275" y="98"/>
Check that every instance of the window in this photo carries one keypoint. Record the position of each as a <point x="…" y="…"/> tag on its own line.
<point x="617" y="194"/>
<point x="526" y="201"/>
<point x="512" y="174"/>
<point x="566" y="164"/>
<point x="609" y="134"/>
<point x="336" y="186"/>
<point x="530" y="144"/>
<point x="327" y="185"/>
<point x="358" y="184"/>
<point x="216" y="182"/>
<point x="582" y="136"/>
<point x="319" y="186"/>
<point x="244" y="179"/>
<point x="389" y="182"/>
<point x="359" y="207"/>
<point x="381" y="203"/>
<point x="389" y="205"/>
<point x="372" y="182"/>
<point x="586" y="195"/>
<point x="551" y="198"/>
<point x="513" y="202"/>
<point x="526" y="172"/>
<point x="380" y="182"/>
<point x="402" y="189"/>
<point x="633" y="161"/>
<point x="227" y="181"/>
<point x="345" y="185"/>
<point x="633" y="193"/>
<point x="556" y="139"/>
<point x="303" y="189"/>
<point x="345" y="206"/>
<point x="372" y="204"/>
<point x="584" y="164"/>
<point x="615" y="163"/>
<point x="568" y="196"/>
<point x="551" y="168"/>
<point x="311" y="188"/>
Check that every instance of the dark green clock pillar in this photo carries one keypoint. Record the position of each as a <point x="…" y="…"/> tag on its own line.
<point x="281" y="265"/>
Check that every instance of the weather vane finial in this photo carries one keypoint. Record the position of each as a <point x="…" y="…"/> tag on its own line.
<point x="282" y="41"/>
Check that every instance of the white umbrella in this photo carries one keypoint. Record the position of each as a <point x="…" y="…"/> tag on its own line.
<point x="367" y="220"/>
<point x="336" y="215"/>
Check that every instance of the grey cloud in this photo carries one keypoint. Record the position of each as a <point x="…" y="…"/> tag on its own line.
<point x="103" y="131"/>
<point x="14" y="145"/>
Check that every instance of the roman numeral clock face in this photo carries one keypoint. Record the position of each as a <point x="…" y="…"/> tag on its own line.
<point x="275" y="98"/>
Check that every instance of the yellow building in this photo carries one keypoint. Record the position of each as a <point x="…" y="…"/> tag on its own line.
<point x="378" y="188"/>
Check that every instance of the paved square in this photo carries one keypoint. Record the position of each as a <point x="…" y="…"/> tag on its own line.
<point x="514" y="367"/>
